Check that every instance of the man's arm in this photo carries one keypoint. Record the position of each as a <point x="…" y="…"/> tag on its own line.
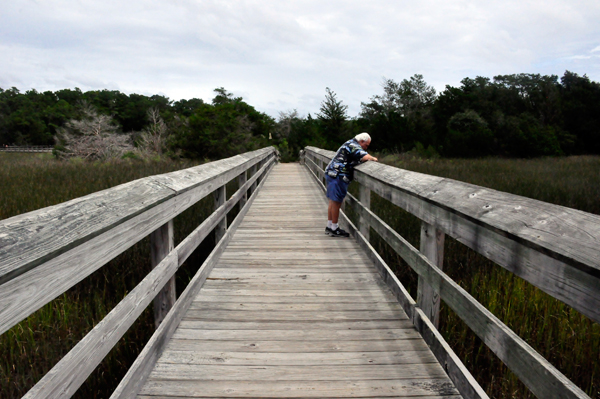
<point x="368" y="158"/>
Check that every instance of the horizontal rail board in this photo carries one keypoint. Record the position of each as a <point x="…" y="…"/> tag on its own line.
<point x="553" y="247"/>
<point x="65" y="249"/>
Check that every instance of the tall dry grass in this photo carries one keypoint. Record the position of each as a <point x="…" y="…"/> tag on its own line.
<point x="570" y="341"/>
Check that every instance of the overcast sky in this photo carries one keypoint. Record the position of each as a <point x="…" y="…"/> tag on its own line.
<point x="280" y="55"/>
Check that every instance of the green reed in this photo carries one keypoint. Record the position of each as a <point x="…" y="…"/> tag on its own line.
<point x="31" y="348"/>
<point x="570" y="341"/>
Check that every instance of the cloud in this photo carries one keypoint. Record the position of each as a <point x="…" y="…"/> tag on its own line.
<point x="281" y="55"/>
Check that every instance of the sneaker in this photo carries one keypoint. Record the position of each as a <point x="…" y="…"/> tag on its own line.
<point x="328" y="231"/>
<point x="339" y="233"/>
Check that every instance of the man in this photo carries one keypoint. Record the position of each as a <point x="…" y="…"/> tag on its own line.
<point x="340" y="173"/>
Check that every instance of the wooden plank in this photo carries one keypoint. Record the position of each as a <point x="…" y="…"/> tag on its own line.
<point x="296" y="325"/>
<point x="293" y="307"/>
<point x="297" y="359"/>
<point x="356" y="294"/>
<point x="271" y="315"/>
<point x="425" y="388"/>
<point x="141" y="368"/>
<point x="296" y="335"/>
<point x="251" y="345"/>
<point x="215" y="372"/>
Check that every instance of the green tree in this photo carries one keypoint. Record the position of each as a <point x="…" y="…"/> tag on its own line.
<point x="333" y="116"/>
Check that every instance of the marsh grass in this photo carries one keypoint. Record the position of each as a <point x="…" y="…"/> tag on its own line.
<point x="31" y="348"/>
<point x="570" y="341"/>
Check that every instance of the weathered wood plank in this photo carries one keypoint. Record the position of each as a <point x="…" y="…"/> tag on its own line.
<point x="296" y="325"/>
<point x="215" y="372"/>
<point x="425" y="388"/>
<point x="271" y="315"/>
<point x="297" y="359"/>
<point x="251" y="345"/>
<point x="293" y="307"/>
<point x="299" y="335"/>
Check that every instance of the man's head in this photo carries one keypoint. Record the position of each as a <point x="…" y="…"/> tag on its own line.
<point x="363" y="139"/>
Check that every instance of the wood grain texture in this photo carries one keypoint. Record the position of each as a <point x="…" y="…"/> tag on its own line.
<point x="288" y="304"/>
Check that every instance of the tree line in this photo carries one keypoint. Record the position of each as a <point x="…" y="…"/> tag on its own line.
<point x="521" y="115"/>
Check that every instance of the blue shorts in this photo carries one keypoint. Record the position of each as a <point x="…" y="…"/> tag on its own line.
<point x="336" y="188"/>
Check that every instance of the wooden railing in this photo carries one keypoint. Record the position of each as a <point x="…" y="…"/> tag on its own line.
<point x="555" y="248"/>
<point x="45" y="252"/>
<point x="26" y="148"/>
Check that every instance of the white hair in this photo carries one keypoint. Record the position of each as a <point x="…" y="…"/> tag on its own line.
<point x="363" y="137"/>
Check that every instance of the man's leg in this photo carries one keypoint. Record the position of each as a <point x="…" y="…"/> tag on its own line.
<point x="333" y="213"/>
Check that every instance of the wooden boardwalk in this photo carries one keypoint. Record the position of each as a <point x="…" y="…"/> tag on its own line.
<point x="291" y="312"/>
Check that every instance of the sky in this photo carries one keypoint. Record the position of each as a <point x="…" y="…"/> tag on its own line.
<point x="281" y="55"/>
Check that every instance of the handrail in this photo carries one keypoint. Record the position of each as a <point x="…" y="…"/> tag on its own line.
<point x="45" y="252"/>
<point x="552" y="247"/>
<point x="26" y="148"/>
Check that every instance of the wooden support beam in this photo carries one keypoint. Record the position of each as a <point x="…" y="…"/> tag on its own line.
<point x="161" y="244"/>
<point x="241" y="181"/>
<point x="253" y="186"/>
<point x="432" y="246"/>
<point x="364" y="196"/>
<point x="220" y="195"/>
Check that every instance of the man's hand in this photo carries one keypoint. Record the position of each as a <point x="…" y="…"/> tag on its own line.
<point x="368" y="158"/>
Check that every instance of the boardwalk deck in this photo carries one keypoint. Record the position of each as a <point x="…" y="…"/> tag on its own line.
<point x="291" y="312"/>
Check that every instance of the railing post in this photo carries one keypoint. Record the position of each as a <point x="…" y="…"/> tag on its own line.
<point x="241" y="181"/>
<point x="364" y="196"/>
<point x="161" y="243"/>
<point x="220" y="195"/>
<point x="253" y="185"/>
<point x="432" y="247"/>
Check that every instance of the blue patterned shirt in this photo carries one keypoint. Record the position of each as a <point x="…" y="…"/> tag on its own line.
<point x="345" y="159"/>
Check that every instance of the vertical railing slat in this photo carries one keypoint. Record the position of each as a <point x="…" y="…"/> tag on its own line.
<point x="161" y="243"/>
